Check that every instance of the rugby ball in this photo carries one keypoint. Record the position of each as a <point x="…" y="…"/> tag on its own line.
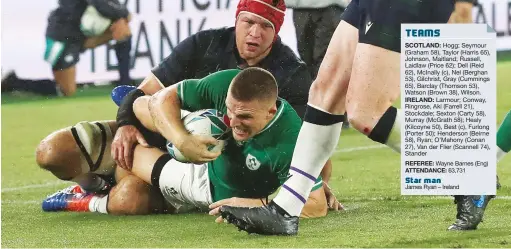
<point x="93" y="23"/>
<point x="204" y="122"/>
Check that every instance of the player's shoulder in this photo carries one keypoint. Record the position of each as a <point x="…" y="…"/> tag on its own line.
<point x="283" y="61"/>
<point x="223" y="76"/>
<point x="218" y="35"/>
<point x="289" y="115"/>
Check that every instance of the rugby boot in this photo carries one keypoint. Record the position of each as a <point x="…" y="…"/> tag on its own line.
<point x="67" y="202"/>
<point x="470" y="211"/>
<point x="266" y="220"/>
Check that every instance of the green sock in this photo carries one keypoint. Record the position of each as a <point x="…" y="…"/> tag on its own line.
<point x="504" y="137"/>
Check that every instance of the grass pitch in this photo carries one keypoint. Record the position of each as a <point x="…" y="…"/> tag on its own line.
<point x="365" y="179"/>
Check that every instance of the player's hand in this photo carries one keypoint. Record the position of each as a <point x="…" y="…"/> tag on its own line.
<point x="195" y="148"/>
<point x="234" y="202"/>
<point x="331" y="200"/>
<point x="123" y="145"/>
<point x="120" y="29"/>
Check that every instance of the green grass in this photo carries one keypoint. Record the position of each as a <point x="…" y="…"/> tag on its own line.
<point x="366" y="181"/>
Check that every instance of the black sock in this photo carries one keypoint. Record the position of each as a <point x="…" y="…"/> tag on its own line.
<point x="381" y="131"/>
<point x="319" y="117"/>
<point x="43" y="87"/>
<point x="122" y="51"/>
<point x="158" y="167"/>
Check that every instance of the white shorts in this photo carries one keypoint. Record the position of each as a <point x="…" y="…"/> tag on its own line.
<point x="186" y="186"/>
<point x="95" y="140"/>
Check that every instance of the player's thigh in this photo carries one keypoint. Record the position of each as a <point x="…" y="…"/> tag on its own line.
<point x="375" y="80"/>
<point x="82" y="148"/>
<point x="94" y="140"/>
<point x="380" y="20"/>
<point x="59" y="154"/>
<point x="328" y="90"/>
<point x="144" y="160"/>
<point x="185" y="186"/>
<point x="95" y="41"/>
<point x="374" y="85"/>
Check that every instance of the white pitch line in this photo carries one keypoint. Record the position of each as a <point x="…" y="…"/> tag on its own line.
<point x="14" y="202"/>
<point x="47" y="184"/>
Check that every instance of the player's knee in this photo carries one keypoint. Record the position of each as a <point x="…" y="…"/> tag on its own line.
<point x="44" y="155"/>
<point x="48" y="151"/>
<point x="327" y="95"/>
<point x="131" y="196"/>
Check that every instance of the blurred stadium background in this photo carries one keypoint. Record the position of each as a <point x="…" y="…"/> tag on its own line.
<point x="365" y="177"/>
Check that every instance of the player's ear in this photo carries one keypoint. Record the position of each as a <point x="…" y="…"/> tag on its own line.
<point x="272" y="111"/>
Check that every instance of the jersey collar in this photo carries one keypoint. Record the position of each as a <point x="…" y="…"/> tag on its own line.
<point x="280" y="110"/>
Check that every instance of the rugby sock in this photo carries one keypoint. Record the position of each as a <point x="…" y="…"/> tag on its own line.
<point x="99" y="204"/>
<point x="394" y="141"/>
<point x="388" y="129"/>
<point x="504" y="137"/>
<point x="122" y="51"/>
<point x="90" y="182"/>
<point x="42" y="87"/>
<point x="316" y="142"/>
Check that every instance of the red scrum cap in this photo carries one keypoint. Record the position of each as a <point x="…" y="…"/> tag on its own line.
<point x="271" y="10"/>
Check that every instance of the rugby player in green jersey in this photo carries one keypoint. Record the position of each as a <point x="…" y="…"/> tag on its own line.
<point x="253" y="165"/>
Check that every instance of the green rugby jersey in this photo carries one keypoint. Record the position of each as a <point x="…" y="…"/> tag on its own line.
<point x="254" y="168"/>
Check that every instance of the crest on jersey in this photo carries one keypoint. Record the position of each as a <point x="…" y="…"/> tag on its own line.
<point x="252" y="162"/>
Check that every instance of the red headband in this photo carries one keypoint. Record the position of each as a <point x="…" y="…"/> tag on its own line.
<point x="266" y="10"/>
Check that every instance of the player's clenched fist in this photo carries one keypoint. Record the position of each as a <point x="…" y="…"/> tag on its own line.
<point x="195" y="148"/>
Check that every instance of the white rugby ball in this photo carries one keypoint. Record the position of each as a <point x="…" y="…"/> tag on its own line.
<point x="93" y="23"/>
<point x="204" y="122"/>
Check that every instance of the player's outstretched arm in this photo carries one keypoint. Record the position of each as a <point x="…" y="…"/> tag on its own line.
<point x="165" y="110"/>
